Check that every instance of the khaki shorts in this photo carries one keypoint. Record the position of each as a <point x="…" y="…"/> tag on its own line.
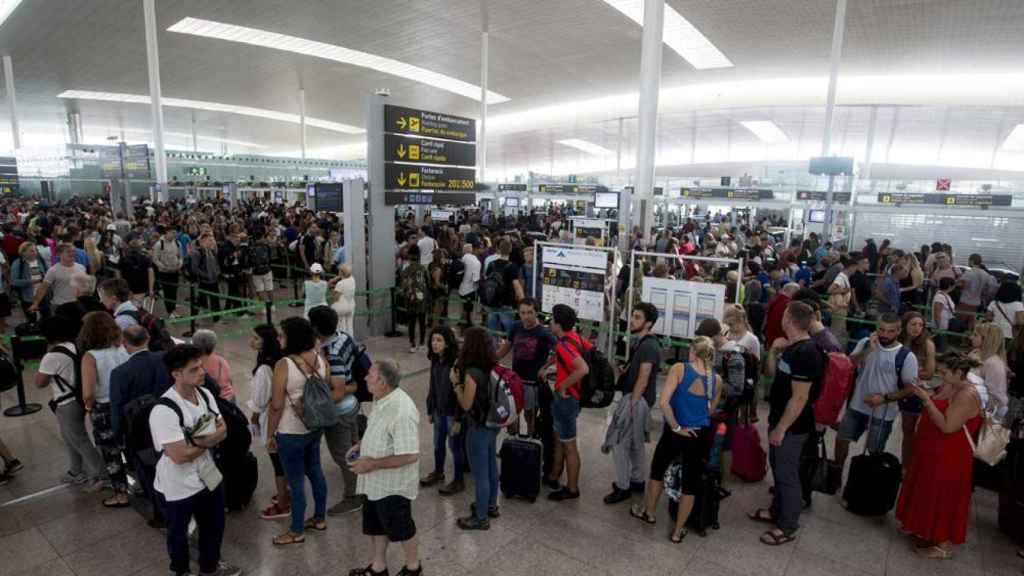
<point x="263" y="282"/>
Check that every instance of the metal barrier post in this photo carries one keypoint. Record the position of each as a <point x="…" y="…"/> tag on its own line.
<point x="193" y="311"/>
<point x="270" y="312"/>
<point x="393" y="333"/>
<point x="23" y="408"/>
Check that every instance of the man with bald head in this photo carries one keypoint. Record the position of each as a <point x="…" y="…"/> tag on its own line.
<point x="134" y="384"/>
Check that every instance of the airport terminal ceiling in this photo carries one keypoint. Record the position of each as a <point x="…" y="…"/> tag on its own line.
<point x="546" y="58"/>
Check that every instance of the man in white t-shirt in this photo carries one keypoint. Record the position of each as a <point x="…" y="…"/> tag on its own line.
<point x="189" y="482"/>
<point x="470" y="278"/>
<point x="427" y="246"/>
<point x="57" y="370"/>
<point x="58" y="279"/>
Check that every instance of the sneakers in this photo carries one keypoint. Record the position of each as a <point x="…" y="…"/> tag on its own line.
<point x="12" y="466"/>
<point x="274" y="511"/>
<point x="346" y="505"/>
<point x="473" y="523"/>
<point x="431" y="479"/>
<point x="224" y="569"/>
<point x="74" y="479"/>
<point x="563" y="494"/>
<point x="451" y="488"/>
<point x="617" y="495"/>
<point x="412" y="349"/>
<point x="492" y="511"/>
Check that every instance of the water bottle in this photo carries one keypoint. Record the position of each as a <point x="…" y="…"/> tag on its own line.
<point x="714" y="459"/>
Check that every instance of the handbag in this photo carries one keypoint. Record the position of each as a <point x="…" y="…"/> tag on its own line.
<point x="993" y="438"/>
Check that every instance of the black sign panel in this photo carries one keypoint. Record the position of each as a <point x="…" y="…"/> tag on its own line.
<point x="403" y="120"/>
<point x="136" y="162"/>
<point x="424" y="150"/>
<point x="110" y="161"/>
<point x="327" y="197"/>
<point x="748" y="194"/>
<point x="571" y="188"/>
<point x="8" y="174"/>
<point x="511" y="187"/>
<point x="439" y="199"/>
<point x="975" y="200"/>
<point x="416" y="177"/>
<point x="831" y="165"/>
<point x="658" y="190"/>
<point x="822" y="196"/>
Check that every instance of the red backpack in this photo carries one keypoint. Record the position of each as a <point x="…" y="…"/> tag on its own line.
<point x="834" y="390"/>
<point x="515" y="383"/>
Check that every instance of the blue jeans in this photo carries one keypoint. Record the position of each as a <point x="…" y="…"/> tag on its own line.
<point x="300" y="457"/>
<point x="500" y="320"/>
<point x="442" y="427"/>
<point x="564" y="412"/>
<point x="483" y="457"/>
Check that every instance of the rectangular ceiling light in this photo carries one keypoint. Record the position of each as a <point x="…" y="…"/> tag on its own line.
<point x="6" y="7"/>
<point x="1015" y="141"/>
<point x="766" y="131"/>
<point x="266" y="39"/>
<point x="210" y="107"/>
<point x="588" y="147"/>
<point x="679" y="34"/>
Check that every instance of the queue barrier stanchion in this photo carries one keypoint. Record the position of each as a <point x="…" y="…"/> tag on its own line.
<point x="269" y="307"/>
<point x="23" y="408"/>
<point x="295" y="292"/>
<point x="193" y="311"/>
<point x="393" y="333"/>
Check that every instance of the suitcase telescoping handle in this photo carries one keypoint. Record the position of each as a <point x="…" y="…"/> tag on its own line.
<point x="871" y="426"/>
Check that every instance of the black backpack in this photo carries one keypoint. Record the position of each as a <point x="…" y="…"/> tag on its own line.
<point x="361" y="364"/>
<point x="159" y="338"/>
<point x="137" y="436"/>
<point x="67" y="389"/>
<point x="492" y="289"/>
<point x="597" y="388"/>
<point x="260" y="259"/>
<point x="455" y="273"/>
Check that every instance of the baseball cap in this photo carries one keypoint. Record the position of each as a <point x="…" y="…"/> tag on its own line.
<point x="316" y="268"/>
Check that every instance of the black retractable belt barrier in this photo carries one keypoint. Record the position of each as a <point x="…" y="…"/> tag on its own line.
<point x="23" y="408"/>
<point x="193" y="310"/>
<point x="270" y="312"/>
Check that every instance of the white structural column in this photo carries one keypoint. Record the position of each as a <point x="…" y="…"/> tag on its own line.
<point x="481" y="145"/>
<point x="650" y="85"/>
<point x="153" y="65"/>
<point x="830" y="105"/>
<point x="12" y="102"/>
<point x="869" y="147"/>
<point x="302" y="121"/>
<point x="195" y="136"/>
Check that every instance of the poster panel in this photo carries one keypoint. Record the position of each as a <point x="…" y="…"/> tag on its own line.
<point x="576" y="277"/>
<point x="682" y="304"/>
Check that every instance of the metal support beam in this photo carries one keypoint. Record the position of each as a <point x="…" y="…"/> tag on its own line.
<point x="302" y="121"/>
<point x="650" y="85"/>
<point x="12" y="103"/>
<point x="481" y="145"/>
<point x="156" y="106"/>
<point x="830" y="106"/>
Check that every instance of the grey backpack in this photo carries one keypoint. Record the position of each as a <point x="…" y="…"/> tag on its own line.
<point x="316" y="409"/>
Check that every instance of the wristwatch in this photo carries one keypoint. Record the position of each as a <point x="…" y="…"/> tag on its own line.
<point x="677" y="428"/>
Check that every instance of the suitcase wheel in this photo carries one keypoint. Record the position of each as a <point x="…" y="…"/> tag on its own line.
<point x="716" y="526"/>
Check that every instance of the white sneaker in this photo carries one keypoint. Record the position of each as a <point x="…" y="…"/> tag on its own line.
<point x="412" y="350"/>
<point x="73" y="479"/>
<point x="423" y="349"/>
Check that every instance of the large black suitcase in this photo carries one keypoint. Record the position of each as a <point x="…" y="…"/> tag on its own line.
<point x="521" y="462"/>
<point x="240" y="478"/>
<point x="1011" y="493"/>
<point x="705" y="505"/>
<point x="873" y="484"/>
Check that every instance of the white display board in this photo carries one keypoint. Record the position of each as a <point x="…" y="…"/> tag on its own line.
<point x="440" y="215"/>
<point x="683" y="304"/>
<point x="576" y="277"/>
<point x="583" y="228"/>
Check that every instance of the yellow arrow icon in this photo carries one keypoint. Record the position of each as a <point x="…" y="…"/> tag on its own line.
<point x="401" y="179"/>
<point x="401" y="150"/>
<point x="401" y="123"/>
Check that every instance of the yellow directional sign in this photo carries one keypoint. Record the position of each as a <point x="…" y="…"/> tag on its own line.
<point x="401" y="151"/>
<point x="428" y="151"/>
<point x="414" y="180"/>
<point x="401" y="179"/>
<point x="426" y="123"/>
<point x="414" y="124"/>
<point x="418" y="176"/>
<point x="401" y="123"/>
<point x="414" y="152"/>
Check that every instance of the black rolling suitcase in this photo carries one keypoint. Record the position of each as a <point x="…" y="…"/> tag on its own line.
<point x="240" y="479"/>
<point x="873" y="484"/>
<point x="704" y="515"/>
<point x="32" y="349"/>
<point x="1011" y="493"/>
<point x="521" y="462"/>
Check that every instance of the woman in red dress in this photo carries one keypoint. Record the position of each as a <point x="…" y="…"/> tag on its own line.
<point x="935" y="501"/>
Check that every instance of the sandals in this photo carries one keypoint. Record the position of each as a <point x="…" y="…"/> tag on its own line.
<point x="288" y="538"/>
<point x="763" y="515"/>
<point x="315" y="524"/>
<point x="677" y="537"/>
<point x="637" y="511"/>
<point x="776" y="538"/>
<point x="935" y="553"/>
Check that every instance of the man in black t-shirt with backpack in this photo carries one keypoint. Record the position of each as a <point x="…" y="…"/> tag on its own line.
<point x="501" y="288"/>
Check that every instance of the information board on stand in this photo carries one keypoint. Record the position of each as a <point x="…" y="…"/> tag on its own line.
<point x="575" y="277"/>
<point x="8" y="175"/>
<point x="682" y="304"/>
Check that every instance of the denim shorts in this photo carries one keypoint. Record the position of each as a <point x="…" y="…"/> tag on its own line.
<point x="854" y="424"/>
<point x="563" y="416"/>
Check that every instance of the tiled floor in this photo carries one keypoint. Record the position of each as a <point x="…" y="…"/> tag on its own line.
<point x="66" y="533"/>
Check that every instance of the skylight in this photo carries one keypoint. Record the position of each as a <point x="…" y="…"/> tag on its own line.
<point x="766" y="131"/>
<point x="588" y="147"/>
<point x="266" y="39"/>
<point x="679" y="35"/>
<point x="1015" y="141"/>
<point x="6" y="8"/>
<point x="211" y="107"/>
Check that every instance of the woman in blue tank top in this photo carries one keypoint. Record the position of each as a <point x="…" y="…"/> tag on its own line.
<point x="690" y="395"/>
